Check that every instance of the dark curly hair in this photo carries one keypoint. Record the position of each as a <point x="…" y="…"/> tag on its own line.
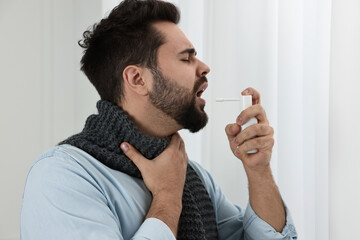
<point x="124" y="38"/>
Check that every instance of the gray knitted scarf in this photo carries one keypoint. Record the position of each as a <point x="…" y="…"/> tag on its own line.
<point x="101" y="137"/>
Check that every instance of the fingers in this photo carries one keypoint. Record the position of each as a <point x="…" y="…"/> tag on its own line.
<point x="256" y="99"/>
<point x="256" y="111"/>
<point x="232" y="130"/>
<point x="134" y="155"/>
<point x="257" y="136"/>
<point x="175" y="141"/>
<point x="257" y="130"/>
<point x="177" y="145"/>
<point x="260" y="159"/>
<point x="181" y="147"/>
<point x="262" y="144"/>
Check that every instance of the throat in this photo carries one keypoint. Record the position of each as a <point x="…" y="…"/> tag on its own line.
<point x="154" y="123"/>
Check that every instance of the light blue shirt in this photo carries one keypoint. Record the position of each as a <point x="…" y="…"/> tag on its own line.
<point x="71" y="195"/>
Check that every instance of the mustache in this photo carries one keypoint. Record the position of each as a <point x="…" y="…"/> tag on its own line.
<point x="198" y="83"/>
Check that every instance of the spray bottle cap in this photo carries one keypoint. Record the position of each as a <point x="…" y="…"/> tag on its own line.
<point x="246" y="102"/>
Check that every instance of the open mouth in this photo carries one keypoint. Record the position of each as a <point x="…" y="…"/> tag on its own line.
<point x="199" y="93"/>
<point x="201" y="90"/>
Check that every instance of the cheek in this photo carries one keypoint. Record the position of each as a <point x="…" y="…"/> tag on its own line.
<point x="187" y="79"/>
<point x="184" y="74"/>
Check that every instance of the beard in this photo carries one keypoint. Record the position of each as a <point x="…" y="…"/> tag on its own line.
<point x="178" y="102"/>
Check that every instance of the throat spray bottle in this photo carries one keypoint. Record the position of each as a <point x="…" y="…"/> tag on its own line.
<point x="245" y="102"/>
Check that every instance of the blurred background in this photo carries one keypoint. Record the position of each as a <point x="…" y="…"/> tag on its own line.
<point x="302" y="55"/>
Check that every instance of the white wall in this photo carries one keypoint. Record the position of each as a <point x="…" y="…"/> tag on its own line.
<point x="43" y="96"/>
<point x="20" y="109"/>
<point x="344" y="169"/>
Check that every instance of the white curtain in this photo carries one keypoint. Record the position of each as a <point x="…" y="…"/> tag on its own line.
<point x="281" y="48"/>
<point x="344" y="154"/>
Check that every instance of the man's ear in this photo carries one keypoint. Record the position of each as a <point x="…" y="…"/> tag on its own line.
<point x="135" y="78"/>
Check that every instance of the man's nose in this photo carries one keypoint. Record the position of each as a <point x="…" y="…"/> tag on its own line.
<point x="203" y="69"/>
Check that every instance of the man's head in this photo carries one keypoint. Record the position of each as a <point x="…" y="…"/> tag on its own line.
<point x="139" y="59"/>
<point x="125" y="37"/>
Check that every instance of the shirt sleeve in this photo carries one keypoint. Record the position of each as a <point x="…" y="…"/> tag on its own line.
<point x="62" y="201"/>
<point x="256" y="228"/>
<point x="236" y="224"/>
<point x="146" y="231"/>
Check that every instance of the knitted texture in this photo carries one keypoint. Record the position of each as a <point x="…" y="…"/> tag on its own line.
<point x="101" y="137"/>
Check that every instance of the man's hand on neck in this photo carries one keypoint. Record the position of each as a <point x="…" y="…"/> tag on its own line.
<point x="164" y="176"/>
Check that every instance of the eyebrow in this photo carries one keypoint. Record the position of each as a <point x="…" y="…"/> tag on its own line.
<point x="188" y="50"/>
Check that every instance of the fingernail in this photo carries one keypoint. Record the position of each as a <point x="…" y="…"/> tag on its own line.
<point x="239" y="120"/>
<point x="124" y="147"/>
<point x="246" y="91"/>
<point x="232" y="129"/>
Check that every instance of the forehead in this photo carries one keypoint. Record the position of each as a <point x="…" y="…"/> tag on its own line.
<point x="175" y="39"/>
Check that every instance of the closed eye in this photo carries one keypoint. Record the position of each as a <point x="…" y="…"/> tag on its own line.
<point x="188" y="53"/>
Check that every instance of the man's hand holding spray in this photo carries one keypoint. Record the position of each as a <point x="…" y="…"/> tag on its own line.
<point x="251" y="140"/>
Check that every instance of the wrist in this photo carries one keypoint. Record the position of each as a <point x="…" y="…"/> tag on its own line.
<point x="168" y="200"/>
<point x="265" y="197"/>
<point x="259" y="175"/>
<point x="167" y="209"/>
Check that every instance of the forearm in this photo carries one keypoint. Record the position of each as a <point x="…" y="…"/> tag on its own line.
<point x="265" y="197"/>
<point x="167" y="209"/>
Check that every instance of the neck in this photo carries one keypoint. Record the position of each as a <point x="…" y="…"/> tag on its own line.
<point x="149" y="119"/>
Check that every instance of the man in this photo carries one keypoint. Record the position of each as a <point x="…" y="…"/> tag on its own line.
<point x="150" y="83"/>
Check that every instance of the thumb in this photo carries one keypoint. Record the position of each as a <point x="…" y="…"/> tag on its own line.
<point x="133" y="154"/>
<point x="232" y="130"/>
